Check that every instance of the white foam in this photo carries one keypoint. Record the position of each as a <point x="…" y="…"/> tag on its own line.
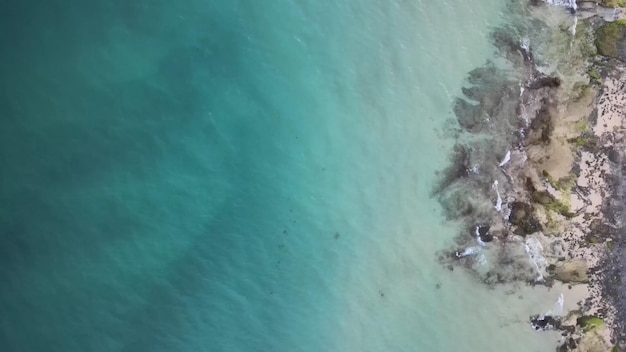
<point x="525" y="44"/>
<point x="558" y="307"/>
<point x="498" y="205"/>
<point x="507" y="158"/>
<point x="469" y="251"/>
<point x="534" y="249"/>
<point x="570" y="4"/>
<point x="480" y="242"/>
<point x="481" y="259"/>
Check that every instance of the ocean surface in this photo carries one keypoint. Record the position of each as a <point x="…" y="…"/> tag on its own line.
<point x="239" y="176"/>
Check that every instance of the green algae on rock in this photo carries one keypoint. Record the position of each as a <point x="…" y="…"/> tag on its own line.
<point x="589" y="322"/>
<point x="613" y="3"/>
<point x="586" y="141"/>
<point x="609" y="40"/>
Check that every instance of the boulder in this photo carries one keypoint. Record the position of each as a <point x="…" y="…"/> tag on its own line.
<point x="482" y="231"/>
<point x="589" y="323"/>
<point x="575" y="271"/>
<point x="522" y="217"/>
<point x="609" y="40"/>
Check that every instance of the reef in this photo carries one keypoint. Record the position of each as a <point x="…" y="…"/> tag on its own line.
<point x="536" y="177"/>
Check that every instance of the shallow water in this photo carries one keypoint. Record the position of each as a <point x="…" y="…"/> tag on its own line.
<point x="238" y="176"/>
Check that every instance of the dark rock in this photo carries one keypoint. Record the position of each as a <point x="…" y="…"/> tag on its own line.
<point x="490" y="95"/>
<point x="530" y="187"/>
<point x="482" y="232"/>
<point x="522" y="217"/>
<point x="469" y="116"/>
<point x="542" y="125"/>
<point x="545" y="322"/>
<point x="550" y="82"/>
<point x="458" y="168"/>
<point x="542" y="197"/>
<point x="569" y="345"/>
<point x="599" y="228"/>
<point x="588" y="322"/>
<point x="483" y="229"/>
<point x="472" y="93"/>
<point x="486" y="237"/>
<point x="610" y="40"/>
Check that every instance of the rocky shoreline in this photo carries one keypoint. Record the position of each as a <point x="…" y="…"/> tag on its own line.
<point x="549" y="206"/>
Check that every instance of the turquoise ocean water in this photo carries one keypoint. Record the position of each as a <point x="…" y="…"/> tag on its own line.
<point x="238" y="176"/>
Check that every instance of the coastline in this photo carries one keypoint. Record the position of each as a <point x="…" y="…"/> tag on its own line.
<point x="580" y="168"/>
<point x="554" y="212"/>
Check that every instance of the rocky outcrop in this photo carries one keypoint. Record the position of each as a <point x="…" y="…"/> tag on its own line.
<point x="610" y="40"/>
<point x="522" y="217"/>
<point x="575" y="271"/>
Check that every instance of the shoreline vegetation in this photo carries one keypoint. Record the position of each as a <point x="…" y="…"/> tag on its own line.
<point x="548" y="207"/>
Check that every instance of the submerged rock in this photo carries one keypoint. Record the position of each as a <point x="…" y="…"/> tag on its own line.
<point x="491" y="95"/>
<point x="457" y="205"/>
<point x="457" y="169"/>
<point x="511" y="46"/>
<point x="468" y="115"/>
